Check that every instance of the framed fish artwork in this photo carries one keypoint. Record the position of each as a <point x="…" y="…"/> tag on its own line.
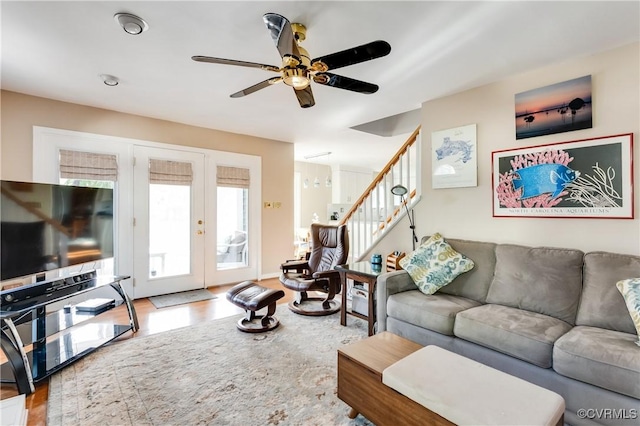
<point x="588" y="178"/>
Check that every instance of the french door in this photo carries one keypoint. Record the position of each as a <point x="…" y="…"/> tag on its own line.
<point x="169" y="216"/>
<point x="168" y="250"/>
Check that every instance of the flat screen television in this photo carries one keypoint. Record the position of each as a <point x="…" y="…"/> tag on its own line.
<point x="46" y="226"/>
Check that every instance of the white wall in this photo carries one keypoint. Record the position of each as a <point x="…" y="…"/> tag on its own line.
<point x="467" y="212"/>
<point x="313" y="200"/>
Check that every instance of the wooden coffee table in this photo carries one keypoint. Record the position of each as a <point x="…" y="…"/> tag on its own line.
<point x="360" y="367"/>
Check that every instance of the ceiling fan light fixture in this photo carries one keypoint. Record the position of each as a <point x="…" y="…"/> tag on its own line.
<point x="296" y="78"/>
<point x="298" y="69"/>
<point x="131" y="24"/>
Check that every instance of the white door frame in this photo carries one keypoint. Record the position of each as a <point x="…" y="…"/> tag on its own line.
<point x="48" y="141"/>
<point x="249" y="272"/>
<point x="194" y="278"/>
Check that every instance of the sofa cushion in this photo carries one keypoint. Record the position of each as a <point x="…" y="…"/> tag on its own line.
<point x="522" y="334"/>
<point x="630" y="290"/>
<point x="538" y="279"/>
<point x="435" y="312"/>
<point x="601" y="357"/>
<point x="601" y="304"/>
<point x="475" y="283"/>
<point x="466" y="392"/>
<point x="435" y="264"/>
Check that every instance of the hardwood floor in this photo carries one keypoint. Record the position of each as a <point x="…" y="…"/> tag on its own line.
<point x="151" y="321"/>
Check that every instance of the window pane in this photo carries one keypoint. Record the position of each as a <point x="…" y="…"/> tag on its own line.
<point x="104" y="227"/>
<point x="169" y="230"/>
<point x="89" y="183"/>
<point x="233" y="219"/>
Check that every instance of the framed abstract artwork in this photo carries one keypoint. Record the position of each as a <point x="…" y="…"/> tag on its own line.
<point x="589" y="178"/>
<point x="454" y="157"/>
<point x="560" y="107"/>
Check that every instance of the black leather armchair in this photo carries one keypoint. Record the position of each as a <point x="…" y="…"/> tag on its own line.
<point x="329" y="248"/>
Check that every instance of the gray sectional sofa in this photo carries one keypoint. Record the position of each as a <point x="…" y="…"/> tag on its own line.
<point x="551" y="316"/>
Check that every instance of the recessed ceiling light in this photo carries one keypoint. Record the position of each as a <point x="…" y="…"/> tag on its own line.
<point x="131" y="24"/>
<point x="109" y="80"/>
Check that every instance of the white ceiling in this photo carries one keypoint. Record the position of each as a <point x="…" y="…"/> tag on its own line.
<point x="58" y="49"/>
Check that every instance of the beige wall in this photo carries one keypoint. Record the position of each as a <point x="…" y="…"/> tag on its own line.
<point x="467" y="212"/>
<point x="21" y="112"/>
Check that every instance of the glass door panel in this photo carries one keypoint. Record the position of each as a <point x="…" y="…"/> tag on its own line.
<point x="169" y="230"/>
<point x="232" y="227"/>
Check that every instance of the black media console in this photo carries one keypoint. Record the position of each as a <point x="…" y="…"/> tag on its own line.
<point x="24" y="321"/>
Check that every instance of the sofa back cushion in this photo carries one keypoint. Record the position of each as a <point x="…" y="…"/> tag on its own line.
<point x="538" y="279"/>
<point x="601" y="304"/>
<point x="475" y="283"/>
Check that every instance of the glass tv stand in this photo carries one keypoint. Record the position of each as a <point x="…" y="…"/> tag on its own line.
<point x="58" y="338"/>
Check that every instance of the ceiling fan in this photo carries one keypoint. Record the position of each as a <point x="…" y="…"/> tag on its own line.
<point x="298" y="69"/>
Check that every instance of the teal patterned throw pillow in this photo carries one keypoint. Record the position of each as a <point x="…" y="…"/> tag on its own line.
<point x="630" y="290"/>
<point x="435" y="264"/>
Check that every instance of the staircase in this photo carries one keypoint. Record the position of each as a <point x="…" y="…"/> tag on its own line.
<point x="377" y="211"/>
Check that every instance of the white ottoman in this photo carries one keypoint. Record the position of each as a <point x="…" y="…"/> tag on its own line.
<point x="466" y="392"/>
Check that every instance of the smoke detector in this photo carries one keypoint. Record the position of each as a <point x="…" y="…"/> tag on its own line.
<point x="131" y="24"/>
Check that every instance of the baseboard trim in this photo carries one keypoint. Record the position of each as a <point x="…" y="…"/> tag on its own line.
<point x="267" y="276"/>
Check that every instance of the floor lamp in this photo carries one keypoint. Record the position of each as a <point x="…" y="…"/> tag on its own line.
<point x="402" y="191"/>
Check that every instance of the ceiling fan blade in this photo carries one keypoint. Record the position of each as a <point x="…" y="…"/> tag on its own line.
<point x="305" y="97"/>
<point x="280" y="29"/>
<point x="256" y="87"/>
<point x="223" y="61"/>
<point x="355" y="55"/>
<point x="346" y="83"/>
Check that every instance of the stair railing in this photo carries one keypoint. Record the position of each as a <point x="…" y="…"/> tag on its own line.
<point x="377" y="210"/>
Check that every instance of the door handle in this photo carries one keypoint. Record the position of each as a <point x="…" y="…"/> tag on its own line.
<point x="199" y="232"/>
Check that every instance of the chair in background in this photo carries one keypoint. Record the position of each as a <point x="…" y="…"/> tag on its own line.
<point x="234" y="250"/>
<point x="329" y="248"/>
<point x="301" y="243"/>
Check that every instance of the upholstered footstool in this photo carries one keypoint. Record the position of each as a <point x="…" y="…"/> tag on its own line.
<point x="464" y="391"/>
<point x="251" y="297"/>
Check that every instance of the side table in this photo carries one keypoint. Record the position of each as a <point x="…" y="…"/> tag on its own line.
<point x="359" y="272"/>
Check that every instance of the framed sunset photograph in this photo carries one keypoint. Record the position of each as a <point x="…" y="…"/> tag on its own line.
<point x="558" y="108"/>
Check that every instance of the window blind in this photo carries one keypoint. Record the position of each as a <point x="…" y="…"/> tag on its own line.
<point x="88" y="165"/>
<point x="170" y="172"/>
<point x="235" y="177"/>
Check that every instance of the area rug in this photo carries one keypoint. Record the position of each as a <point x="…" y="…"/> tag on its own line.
<point x="211" y="374"/>
<point x="181" y="298"/>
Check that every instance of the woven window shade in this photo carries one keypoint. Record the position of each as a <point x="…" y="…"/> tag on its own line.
<point x="88" y="165"/>
<point x="170" y="172"/>
<point x="232" y="176"/>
